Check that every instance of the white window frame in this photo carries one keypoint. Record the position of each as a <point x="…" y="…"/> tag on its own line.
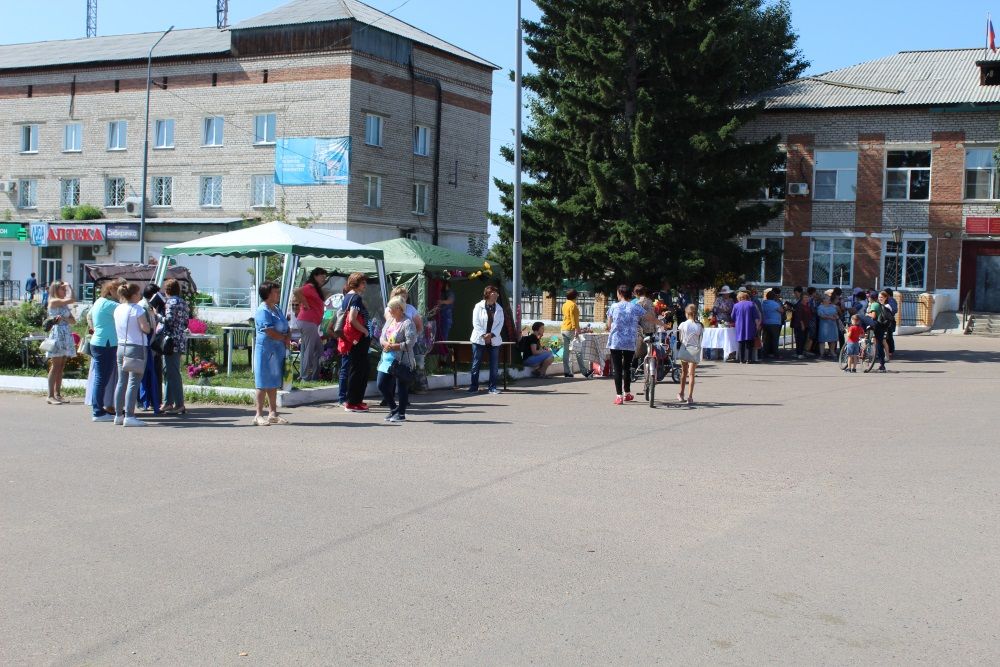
<point x="213" y="129"/>
<point x="374" y="129"/>
<point x="117" y="135"/>
<point x="262" y="191"/>
<point x="162" y="189"/>
<point x="111" y="189"/>
<point x="765" y="192"/>
<point x="373" y="191"/>
<point x="211" y="186"/>
<point x="29" y="139"/>
<point x="71" y="187"/>
<point x="994" y="175"/>
<point x="169" y="126"/>
<point x="909" y="174"/>
<point x="270" y="122"/>
<point x="421" y="140"/>
<point x="839" y="171"/>
<point x="73" y="131"/>
<point x="27" y="193"/>
<point x="831" y="253"/>
<point x="421" y="203"/>
<point x="904" y="256"/>
<point x="759" y="277"/>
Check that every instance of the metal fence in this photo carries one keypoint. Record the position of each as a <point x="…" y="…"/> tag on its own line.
<point x="224" y="297"/>
<point x="531" y="307"/>
<point x="584" y="300"/>
<point x="10" y="290"/>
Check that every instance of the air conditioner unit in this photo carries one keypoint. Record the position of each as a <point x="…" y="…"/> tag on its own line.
<point x="8" y="186"/>
<point x="133" y="206"/>
<point x="798" y="189"/>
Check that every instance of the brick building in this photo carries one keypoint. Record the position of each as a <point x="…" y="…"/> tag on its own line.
<point x="903" y="144"/>
<point x="416" y="110"/>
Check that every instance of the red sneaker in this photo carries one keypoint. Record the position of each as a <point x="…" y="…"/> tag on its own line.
<point x="618" y="400"/>
<point x="360" y="407"/>
<point x="629" y="398"/>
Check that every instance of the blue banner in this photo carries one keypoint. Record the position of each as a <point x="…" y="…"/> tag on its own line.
<point x="312" y="161"/>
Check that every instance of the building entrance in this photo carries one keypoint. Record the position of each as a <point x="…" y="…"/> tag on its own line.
<point x="988" y="283"/>
<point x="49" y="266"/>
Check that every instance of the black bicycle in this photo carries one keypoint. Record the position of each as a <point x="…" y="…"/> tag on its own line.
<point x="866" y="355"/>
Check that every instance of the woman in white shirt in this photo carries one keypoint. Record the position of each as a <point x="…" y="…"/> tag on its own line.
<point x="487" y="326"/>
<point x="689" y="350"/>
<point x="131" y="326"/>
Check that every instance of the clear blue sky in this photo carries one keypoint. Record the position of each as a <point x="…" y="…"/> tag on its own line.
<point x="831" y="35"/>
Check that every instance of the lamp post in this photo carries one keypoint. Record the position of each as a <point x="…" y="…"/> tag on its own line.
<point x="517" y="179"/>
<point x="145" y="151"/>
<point x="897" y="238"/>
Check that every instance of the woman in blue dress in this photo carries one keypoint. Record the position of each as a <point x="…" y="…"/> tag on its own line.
<point x="62" y="346"/>
<point x="828" y="314"/>
<point x="269" y="352"/>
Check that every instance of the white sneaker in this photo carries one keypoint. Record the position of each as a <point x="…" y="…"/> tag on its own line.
<point x="103" y="418"/>
<point x="132" y="421"/>
<point x="119" y="419"/>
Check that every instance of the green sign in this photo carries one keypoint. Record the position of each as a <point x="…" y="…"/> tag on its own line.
<point x="16" y="232"/>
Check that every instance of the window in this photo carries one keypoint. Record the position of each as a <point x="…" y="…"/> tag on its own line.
<point x="262" y="190"/>
<point x="164" y="131"/>
<point x="163" y="191"/>
<point x="836" y="175"/>
<point x="114" y="192"/>
<point x="6" y="262"/>
<point x="421" y="140"/>
<point x="117" y="135"/>
<point x="373" y="129"/>
<point x="72" y="138"/>
<point x="69" y="192"/>
<point x="913" y="256"/>
<point x="771" y="250"/>
<point x="831" y="263"/>
<point x="776" y="183"/>
<point x="212" y="135"/>
<point x="264" y="128"/>
<point x="211" y="191"/>
<point x="981" y="174"/>
<point x="29" y="138"/>
<point x="27" y="193"/>
<point x="420" y="195"/>
<point x="373" y="191"/>
<point x="908" y="175"/>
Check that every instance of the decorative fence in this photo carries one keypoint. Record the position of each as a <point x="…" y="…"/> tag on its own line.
<point x="10" y="290"/>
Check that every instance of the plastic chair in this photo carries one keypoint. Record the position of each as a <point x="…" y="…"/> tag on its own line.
<point x="239" y="339"/>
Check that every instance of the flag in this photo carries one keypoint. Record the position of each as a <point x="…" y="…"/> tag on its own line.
<point x="991" y="35"/>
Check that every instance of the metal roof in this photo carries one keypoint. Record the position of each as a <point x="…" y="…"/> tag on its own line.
<point x="908" y="78"/>
<point x="195" y="41"/>
<point x="322" y="11"/>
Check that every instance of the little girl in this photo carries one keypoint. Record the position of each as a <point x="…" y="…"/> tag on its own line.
<point x="853" y="335"/>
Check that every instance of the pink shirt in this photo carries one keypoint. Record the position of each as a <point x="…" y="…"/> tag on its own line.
<point x="314" y="301"/>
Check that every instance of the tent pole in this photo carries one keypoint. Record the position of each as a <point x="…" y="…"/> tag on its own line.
<point x="161" y="270"/>
<point x="383" y="282"/>
<point x="286" y="283"/>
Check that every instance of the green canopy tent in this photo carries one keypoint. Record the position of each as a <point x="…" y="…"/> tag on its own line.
<point x="421" y="268"/>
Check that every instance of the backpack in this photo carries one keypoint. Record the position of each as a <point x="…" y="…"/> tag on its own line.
<point x="337" y="329"/>
<point x="886" y="319"/>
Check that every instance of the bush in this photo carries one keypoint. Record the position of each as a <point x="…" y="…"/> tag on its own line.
<point x="88" y="212"/>
<point x="68" y="212"/>
<point x="29" y="313"/>
<point x="11" y="333"/>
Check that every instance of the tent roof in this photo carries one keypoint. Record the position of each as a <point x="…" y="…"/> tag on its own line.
<point x="274" y="238"/>
<point x="408" y="256"/>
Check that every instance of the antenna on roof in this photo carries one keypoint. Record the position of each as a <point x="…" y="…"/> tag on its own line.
<point x="91" y="18"/>
<point x="221" y="14"/>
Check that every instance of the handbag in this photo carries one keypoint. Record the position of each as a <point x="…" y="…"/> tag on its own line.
<point x="84" y="347"/>
<point x="163" y="343"/>
<point x="49" y="322"/>
<point x="47" y="345"/>
<point x="402" y="372"/>
<point x="134" y="357"/>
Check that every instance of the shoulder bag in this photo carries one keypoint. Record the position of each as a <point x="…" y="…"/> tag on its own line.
<point x="134" y="358"/>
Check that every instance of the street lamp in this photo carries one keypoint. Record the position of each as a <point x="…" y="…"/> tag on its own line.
<point x="897" y="238"/>
<point x="517" y="180"/>
<point x="145" y="151"/>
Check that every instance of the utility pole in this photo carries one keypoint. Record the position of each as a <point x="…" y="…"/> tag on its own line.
<point x="222" y="14"/>
<point x="145" y="151"/>
<point x="517" y="180"/>
<point x="91" y="18"/>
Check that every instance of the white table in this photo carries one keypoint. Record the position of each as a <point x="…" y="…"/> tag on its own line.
<point x="724" y="338"/>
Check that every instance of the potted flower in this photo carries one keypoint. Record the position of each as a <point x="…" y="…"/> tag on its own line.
<point x="202" y="370"/>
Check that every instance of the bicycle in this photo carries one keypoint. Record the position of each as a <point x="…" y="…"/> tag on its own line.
<point x="655" y="365"/>
<point x="866" y="355"/>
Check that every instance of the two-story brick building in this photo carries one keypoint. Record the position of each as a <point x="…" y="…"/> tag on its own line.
<point x="415" y="108"/>
<point x="903" y="144"/>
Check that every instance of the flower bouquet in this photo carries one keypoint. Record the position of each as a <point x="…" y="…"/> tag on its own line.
<point x="202" y="370"/>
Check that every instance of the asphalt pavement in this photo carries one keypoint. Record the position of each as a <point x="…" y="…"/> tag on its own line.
<point x="794" y="515"/>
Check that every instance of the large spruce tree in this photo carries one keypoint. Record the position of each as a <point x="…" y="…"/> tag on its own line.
<point x="635" y="167"/>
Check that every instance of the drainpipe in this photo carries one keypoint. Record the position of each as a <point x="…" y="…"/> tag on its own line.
<point x="437" y="145"/>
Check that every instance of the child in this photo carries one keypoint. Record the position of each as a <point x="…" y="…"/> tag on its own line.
<point x="854" y="334"/>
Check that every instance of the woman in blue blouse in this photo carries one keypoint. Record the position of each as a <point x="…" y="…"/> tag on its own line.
<point x="269" y="351"/>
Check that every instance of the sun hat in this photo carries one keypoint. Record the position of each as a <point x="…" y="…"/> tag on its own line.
<point x="725" y="290"/>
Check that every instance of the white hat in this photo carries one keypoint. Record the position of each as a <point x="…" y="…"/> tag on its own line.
<point x="725" y="290"/>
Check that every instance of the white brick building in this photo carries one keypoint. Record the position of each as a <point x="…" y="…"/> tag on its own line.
<point x="416" y="109"/>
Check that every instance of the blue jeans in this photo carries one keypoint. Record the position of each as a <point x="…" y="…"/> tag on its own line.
<point x="127" y="391"/>
<point x="104" y="364"/>
<point x="477" y="358"/>
<point x="345" y="369"/>
<point x="388" y="385"/>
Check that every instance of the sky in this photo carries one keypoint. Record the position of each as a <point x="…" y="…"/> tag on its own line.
<point x="831" y="35"/>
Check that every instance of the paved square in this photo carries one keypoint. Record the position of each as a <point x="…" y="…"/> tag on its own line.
<point x="797" y="515"/>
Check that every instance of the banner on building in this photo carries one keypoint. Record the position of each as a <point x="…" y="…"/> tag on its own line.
<point x="40" y="234"/>
<point x="124" y="231"/>
<point x="12" y="232"/>
<point x="312" y="161"/>
<point x="76" y="234"/>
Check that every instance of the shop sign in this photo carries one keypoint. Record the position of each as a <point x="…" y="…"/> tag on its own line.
<point x="13" y="232"/>
<point x="92" y="234"/>
<point x="126" y="231"/>
<point x="982" y="226"/>
<point x="40" y="234"/>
